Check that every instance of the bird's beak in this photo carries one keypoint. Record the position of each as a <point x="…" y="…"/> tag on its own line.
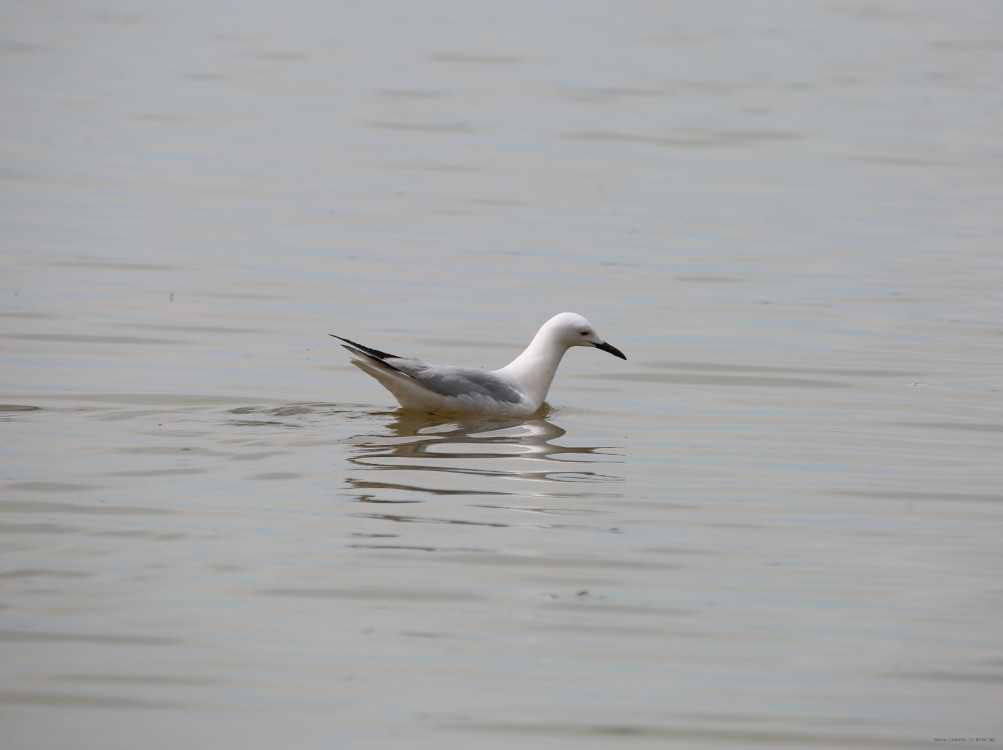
<point x="611" y="349"/>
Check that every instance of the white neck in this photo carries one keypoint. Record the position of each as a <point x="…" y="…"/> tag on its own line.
<point x="534" y="369"/>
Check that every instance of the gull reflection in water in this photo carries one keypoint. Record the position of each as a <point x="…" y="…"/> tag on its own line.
<point x="494" y="462"/>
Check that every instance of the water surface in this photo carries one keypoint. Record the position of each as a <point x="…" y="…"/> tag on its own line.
<point x="776" y="524"/>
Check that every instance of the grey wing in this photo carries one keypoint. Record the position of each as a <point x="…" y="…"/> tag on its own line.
<point x="459" y="381"/>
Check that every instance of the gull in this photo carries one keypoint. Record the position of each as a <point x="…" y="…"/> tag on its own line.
<point x="516" y="390"/>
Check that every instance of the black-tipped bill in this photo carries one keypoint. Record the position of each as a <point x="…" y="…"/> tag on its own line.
<point x="611" y="349"/>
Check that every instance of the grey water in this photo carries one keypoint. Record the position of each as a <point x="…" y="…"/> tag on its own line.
<point x="777" y="524"/>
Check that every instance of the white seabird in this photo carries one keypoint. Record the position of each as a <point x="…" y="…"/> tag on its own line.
<point x="517" y="390"/>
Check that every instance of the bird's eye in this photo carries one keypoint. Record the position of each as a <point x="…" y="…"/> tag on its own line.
<point x="585" y="333"/>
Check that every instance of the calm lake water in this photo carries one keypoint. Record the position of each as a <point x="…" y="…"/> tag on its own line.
<point x="778" y="524"/>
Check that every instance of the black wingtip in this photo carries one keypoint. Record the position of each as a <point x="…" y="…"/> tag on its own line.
<point x="375" y="353"/>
